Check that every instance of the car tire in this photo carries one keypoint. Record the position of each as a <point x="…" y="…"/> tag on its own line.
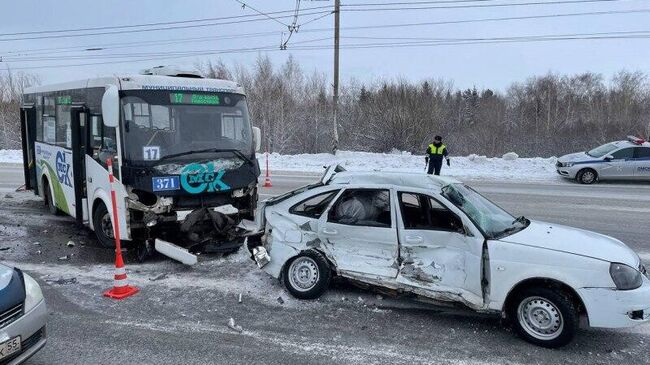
<point x="545" y="317"/>
<point x="101" y="226"/>
<point x="49" y="199"/>
<point x="587" y="176"/>
<point x="307" y="275"/>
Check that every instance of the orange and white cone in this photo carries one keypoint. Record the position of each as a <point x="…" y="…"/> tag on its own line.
<point x="267" y="178"/>
<point x="121" y="289"/>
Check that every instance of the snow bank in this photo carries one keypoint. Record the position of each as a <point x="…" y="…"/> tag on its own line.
<point x="11" y="156"/>
<point x="509" y="167"/>
<point x="470" y="167"/>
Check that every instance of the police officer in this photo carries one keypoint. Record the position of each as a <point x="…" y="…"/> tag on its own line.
<point x="435" y="153"/>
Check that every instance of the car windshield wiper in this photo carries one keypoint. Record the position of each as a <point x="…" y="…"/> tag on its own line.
<point x="237" y="152"/>
<point x="523" y="220"/>
<point x="524" y="223"/>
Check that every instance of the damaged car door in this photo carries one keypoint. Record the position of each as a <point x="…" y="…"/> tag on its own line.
<point x="359" y="235"/>
<point x="437" y="251"/>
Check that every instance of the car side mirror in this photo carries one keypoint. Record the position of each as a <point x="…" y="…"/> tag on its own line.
<point x="257" y="138"/>
<point x="111" y="106"/>
<point x="609" y="158"/>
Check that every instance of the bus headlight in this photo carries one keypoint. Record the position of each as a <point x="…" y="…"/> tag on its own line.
<point x="625" y="277"/>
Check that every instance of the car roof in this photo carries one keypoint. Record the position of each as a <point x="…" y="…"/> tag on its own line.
<point x="401" y="179"/>
<point x="622" y="144"/>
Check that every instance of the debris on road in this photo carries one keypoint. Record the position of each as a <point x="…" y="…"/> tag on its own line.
<point x="63" y="281"/>
<point x="65" y="258"/>
<point x="175" y="252"/>
<point x="159" y="277"/>
<point x="280" y="300"/>
<point x="36" y="243"/>
<point x="4" y="248"/>
<point x="70" y="244"/>
<point x="233" y="326"/>
<point x="240" y="299"/>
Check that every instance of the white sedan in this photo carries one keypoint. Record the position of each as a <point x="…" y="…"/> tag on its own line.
<point x="439" y="239"/>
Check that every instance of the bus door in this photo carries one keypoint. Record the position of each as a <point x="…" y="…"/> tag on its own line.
<point x="28" y="137"/>
<point x="79" y="120"/>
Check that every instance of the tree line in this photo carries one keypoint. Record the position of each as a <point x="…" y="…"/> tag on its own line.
<point x="542" y="116"/>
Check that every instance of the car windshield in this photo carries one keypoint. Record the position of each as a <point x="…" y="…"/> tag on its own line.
<point x="176" y="124"/>
<point x="491" y="219"/>
<point x="602" y="150"/>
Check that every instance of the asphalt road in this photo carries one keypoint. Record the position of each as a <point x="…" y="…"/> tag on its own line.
<point x="181" y="314"/>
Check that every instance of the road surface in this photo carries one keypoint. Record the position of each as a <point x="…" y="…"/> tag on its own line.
<point x="181" y="314"/>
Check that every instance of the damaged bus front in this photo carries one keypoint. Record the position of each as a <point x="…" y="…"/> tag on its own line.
<point x="182" y="149"/>
<point x="189" y="166"/>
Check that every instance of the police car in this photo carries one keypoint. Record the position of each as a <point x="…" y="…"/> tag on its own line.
<point x="620" y="160"/>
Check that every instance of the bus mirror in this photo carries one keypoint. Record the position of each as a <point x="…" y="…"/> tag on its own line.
<point x="111" y="106"/>
<point x="257" y="138"/>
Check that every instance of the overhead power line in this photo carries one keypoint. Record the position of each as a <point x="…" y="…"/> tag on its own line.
<point x="237" y="21"/>
<point x="244" y="5"/>
<point x="117" y="45"/>
<point x="289" y="11"/>
<point x="481" y="20"/>
<point x="465" y="6"/>
<point x="642" y="34"/>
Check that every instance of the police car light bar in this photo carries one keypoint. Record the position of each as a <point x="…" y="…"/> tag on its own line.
<point x="636" y="140"/>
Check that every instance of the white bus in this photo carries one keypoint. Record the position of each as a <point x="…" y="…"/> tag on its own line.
<point x="183" y="151"/>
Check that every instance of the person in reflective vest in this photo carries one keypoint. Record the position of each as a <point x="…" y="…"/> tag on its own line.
<point x="436" y="152"/>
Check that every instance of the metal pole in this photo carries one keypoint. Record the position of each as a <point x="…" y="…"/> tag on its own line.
<point x="335" y="101"/>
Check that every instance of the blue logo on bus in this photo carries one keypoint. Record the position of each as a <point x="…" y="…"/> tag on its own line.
<point x="197" y="178"/>
<point x="63" y="169"/>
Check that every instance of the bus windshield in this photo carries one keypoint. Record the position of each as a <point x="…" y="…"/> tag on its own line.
<point x="175" y="124"/>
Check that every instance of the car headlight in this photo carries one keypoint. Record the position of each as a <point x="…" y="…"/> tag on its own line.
<point x="33" y="293"/>
<point x="569" y="164"/>
<point x="625" y="277"/>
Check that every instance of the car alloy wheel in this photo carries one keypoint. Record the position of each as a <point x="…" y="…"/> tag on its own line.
<point x="540" y="318"/>
<point x="588" y="177"/>
<point x="303" y="274"/>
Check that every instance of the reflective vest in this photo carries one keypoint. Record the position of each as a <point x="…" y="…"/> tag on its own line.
<point x="437" y="150"/>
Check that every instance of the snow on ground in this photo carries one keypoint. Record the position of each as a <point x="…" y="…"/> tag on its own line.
<point x="11" y="156"/>
<point x="508" y="167"/>
<point x="467" y="167"/>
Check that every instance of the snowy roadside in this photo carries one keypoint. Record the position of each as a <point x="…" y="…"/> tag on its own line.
<point x="465" y="167"/>
<point x="470" y="167"/>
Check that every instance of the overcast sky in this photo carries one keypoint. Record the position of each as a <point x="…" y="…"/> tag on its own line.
<point x="467" y="65"/>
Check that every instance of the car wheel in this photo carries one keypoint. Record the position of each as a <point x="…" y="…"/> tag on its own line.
<point x="545" y="317"/>
<point x="587" y="176"/>
<point x="307" y="275"/>
<point x="103" y="226"/>
<point x="49" y="199"/>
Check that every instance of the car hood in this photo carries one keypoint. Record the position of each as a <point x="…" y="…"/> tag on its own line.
<point x="574" y="241"/>
<point x="578" y="156"/>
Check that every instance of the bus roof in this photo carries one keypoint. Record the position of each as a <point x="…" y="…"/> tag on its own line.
<point x="145" y="82"/>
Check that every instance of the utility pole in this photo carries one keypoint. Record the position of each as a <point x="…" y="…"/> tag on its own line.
<point x="335" y="99"/>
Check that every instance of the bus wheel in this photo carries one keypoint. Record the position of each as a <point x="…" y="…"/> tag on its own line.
<point x="103" y="226"/>
<point x="49" y="199"/>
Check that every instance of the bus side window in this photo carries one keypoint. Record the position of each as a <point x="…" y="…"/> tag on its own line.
<point x="63" y="126"/>
<point x="95" y="132"/>
<point x="39" y="118"/>
<point x="49" y="120"/>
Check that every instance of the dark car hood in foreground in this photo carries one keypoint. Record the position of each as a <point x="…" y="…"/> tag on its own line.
<point x="12" y="288"/>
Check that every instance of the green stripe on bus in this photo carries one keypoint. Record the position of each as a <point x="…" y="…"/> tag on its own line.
<point x="59" y="196"/>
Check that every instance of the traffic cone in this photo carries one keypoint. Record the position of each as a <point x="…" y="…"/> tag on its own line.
<point x="121" y="289"/>
<point x="267" y="178"/>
